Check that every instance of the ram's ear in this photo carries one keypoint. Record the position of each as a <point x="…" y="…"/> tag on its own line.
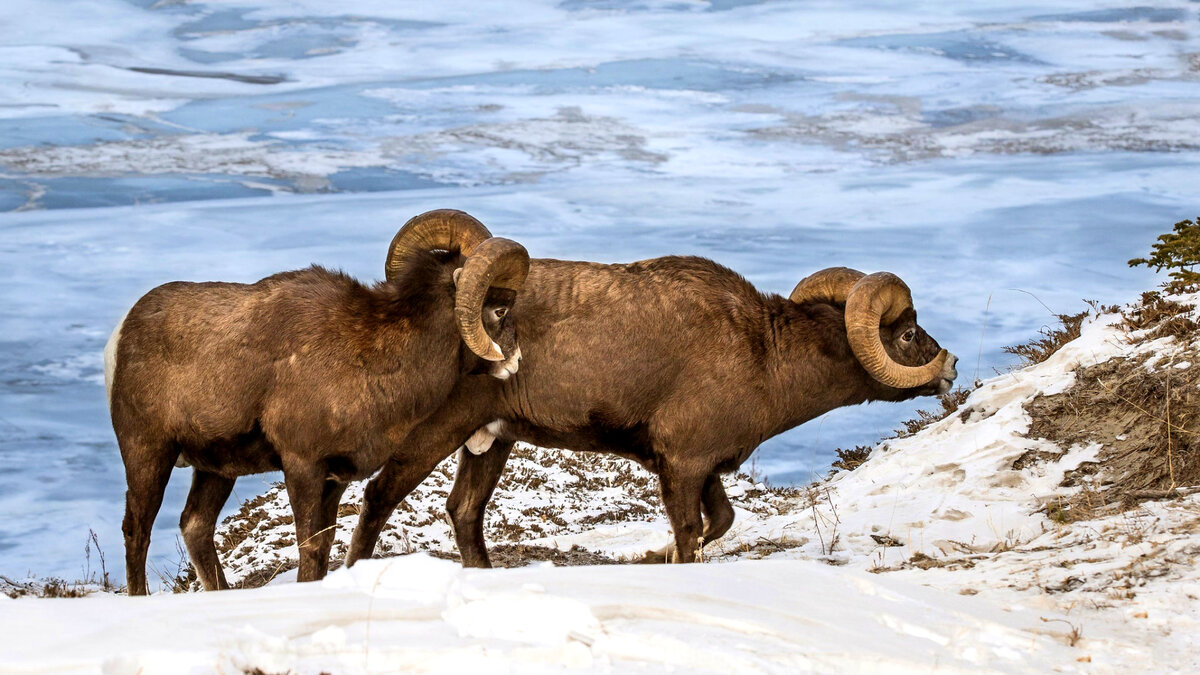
<point x="457" y="273"/>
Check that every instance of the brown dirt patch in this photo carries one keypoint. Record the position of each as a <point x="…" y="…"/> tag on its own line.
<point x="1147" y="419"/>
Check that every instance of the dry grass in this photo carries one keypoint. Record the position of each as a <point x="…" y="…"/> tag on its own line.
<point x="1148" y="421"/>
<point x="95" y="578"/>
<point x="1145" y="413"/>
<point x="950" y="403"/>
<point x="44" y="588"/>
<point x="1162" y="316"/>
<point x="1041" y="348"/>
<point x="521" y="555"/>
<point x="849" y="460"/>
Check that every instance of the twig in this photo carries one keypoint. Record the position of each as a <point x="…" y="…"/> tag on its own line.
<point x="817" y="523"/>
<point x="982" y="332"/>
<point x="298" y="547"/>
<point x="1074" y="636"/>
<point x="1163" y="494"/>
<point x="1021" y="290"/>
<point x="1170" y="460"/>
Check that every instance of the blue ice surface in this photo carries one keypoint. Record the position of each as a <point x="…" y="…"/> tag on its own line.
<point x="472" y="117"/>
<point x="1119" y="15"/>
<point x="962" y="46"/>
<point x="19" y="132"/>
<point x="672" y="73"/>
<point x="301" y="37"/>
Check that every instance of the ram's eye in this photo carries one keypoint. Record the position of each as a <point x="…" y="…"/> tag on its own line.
<point x="499" y="312"/>
<point x="909" y="335"/>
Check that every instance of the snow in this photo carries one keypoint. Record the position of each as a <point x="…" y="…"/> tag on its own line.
<point x="995" y="156"/>
<point x="1005" y="160"/>
<point x="419" y="613"/>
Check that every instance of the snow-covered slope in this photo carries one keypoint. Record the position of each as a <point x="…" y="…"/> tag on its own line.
<point x="418" y="614"/>
<point x="963" y="547"/>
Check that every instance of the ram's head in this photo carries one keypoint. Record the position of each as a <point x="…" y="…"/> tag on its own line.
<point x="881" y="326"/>
<point x="493" y="272"/>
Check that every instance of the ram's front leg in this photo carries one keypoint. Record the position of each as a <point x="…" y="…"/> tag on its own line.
<point x="307" y="492"/>
<point x="473" y="486"/>
<point x="399" y="477"/>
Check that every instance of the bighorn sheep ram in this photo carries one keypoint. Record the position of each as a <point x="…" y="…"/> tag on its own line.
<point x="678" y="363"/>
<point x="307" y="371"/>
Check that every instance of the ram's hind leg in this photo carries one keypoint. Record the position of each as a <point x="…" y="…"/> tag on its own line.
<point x="147" y="469"/>
<point x="681" y="494"/>
<point x="718" y="518"/>
<point x="718" y="512"/>
<point x="199" y="522"/>
<point x="473" y="486"/>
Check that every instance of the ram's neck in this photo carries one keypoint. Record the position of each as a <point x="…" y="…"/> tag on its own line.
<point x="810" y="369"/>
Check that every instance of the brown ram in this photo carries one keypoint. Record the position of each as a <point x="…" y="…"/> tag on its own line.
<point x="678" y="363"/>
<point x="309" y="372"/>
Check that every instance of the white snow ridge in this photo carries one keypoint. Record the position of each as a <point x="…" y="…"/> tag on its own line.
<point x="942" y="552"/>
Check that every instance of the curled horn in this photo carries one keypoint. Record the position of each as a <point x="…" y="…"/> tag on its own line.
<point x="440" y="230"/>
<point x="831" y="284"/>
<point x="496" y="262"/>
<point x="876" y="299"/>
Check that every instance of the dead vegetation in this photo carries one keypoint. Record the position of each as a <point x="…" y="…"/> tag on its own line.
<point x="95" y="578"/>
<point x="949" y="404"/>
<point x="1161" y="316"/>
<point x="1143" y="410"/>
<point x="1049" y="339"/>
<point x="521" y="555"/>
<point x="849" y="460"/>
<point x="53" y="587"/>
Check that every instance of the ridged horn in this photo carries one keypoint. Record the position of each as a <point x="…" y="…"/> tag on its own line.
<point x="877" y="299"/>
<point x="831" y="284"/>
<point x="495" y="262"/>
<point x="438" y="230"/>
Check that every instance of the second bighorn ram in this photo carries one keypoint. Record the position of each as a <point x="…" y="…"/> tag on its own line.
<point x="308" y="371"/>
<point x="677" y="363"/>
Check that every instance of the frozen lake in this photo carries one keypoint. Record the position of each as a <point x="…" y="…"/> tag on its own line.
<point x="1004" y="160"/>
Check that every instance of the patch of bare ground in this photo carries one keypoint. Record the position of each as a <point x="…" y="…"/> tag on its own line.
<point x="1143" y="409"/>
<point x="522" y="555"/>
<point x="44" y="588"/>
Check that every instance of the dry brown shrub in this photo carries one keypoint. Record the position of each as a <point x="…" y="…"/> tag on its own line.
<point x="1041" y="348"/>
<point x="849" y="460"/>
<point x="950" y="403"/>
<point x="1163" y="316"/>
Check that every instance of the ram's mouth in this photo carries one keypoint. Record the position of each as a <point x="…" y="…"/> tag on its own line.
<point x="945" y="379"/>
<point x="502" y="370"/>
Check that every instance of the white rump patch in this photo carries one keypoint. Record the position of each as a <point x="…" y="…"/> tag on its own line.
<point x="110" y="358"/>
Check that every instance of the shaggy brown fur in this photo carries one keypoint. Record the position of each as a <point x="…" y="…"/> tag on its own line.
<point x="308" y="371"/>
<point x="678" y="363"/>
